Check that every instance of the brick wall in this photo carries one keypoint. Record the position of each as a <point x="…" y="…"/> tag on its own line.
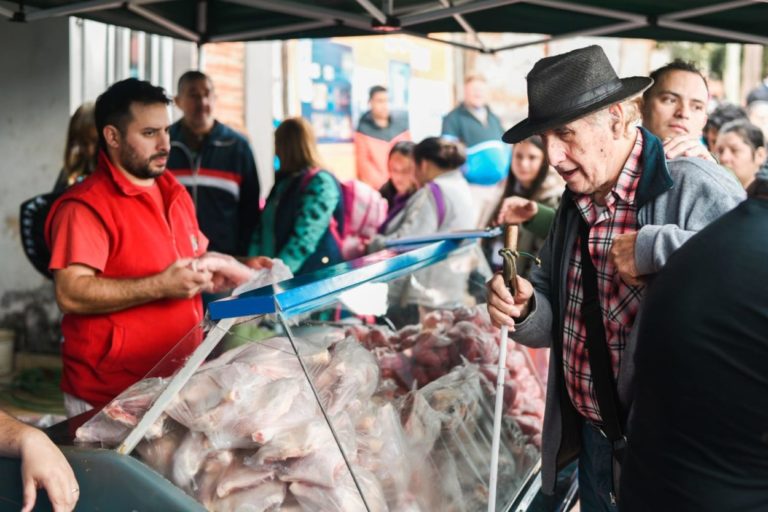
<point x="225" y="64"/>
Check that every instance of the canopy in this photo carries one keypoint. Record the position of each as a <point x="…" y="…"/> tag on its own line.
<point x="205" y="21"/>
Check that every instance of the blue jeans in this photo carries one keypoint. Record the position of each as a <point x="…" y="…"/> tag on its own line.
<point x="595" y="471"/>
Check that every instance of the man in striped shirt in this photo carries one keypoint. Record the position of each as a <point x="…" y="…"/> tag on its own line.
<point x="632" y="208"/>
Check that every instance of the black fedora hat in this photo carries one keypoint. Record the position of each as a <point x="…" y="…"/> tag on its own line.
<point x="565" y="87"/>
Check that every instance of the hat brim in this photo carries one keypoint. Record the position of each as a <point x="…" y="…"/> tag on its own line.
<point x="630" y="86"/>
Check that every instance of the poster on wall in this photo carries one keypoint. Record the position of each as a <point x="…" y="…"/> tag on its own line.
<point x="399" y="81"/>
<point x="326" y="92"/>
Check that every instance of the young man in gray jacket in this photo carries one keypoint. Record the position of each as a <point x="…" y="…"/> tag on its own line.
<point x="635" y="209"/>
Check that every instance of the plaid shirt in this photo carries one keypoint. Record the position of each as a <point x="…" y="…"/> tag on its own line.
<point x="619" y="302"/>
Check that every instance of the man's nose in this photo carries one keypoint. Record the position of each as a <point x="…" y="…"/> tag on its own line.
<point x="683" y="110"/>
<point x="555" y="153"/>
<point x="164" y="142"/>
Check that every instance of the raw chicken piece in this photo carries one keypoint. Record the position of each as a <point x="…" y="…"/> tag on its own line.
<point x="242" y="422"/>
<point x="276" y="359"/>
<point x="321" y="467"/>
<point x="238" y="477"/>
<point x="113" y="423"/>
<point x="299" y="441"/>
<point x="132" y="403"/>
<point x="159" y="453"/>
<point x="190" y="456"/>
<point x="227" y="271"/>
<point x="439" y="320"/>
<point x="212" y="472"/>
<point x="386" y="453"/>
<point x="422" y="425"/>
<point x="324" y="465"/>
<point x="205" y="391"/>
<point x="352" y="374"/>
<point x="265" y="497"/>
<point x="344" y="497"/>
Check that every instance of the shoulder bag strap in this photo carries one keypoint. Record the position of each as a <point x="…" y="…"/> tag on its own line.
<point x="597" y="346"/>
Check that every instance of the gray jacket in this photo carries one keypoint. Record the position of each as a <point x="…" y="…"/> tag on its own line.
<point x="675" y="200"/>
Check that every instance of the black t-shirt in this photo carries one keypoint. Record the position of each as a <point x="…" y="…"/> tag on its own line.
<point x="698" y="432"/>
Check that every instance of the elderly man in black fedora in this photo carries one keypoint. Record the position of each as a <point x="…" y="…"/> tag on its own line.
<point x="625" y="210"/>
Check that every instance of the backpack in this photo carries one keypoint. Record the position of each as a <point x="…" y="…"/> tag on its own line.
<point x="32" y="215"/>
<point x="364" y="210"/>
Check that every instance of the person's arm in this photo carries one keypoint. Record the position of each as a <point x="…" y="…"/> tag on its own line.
<point x="79" y="251"/>
<point x="533" y="216"/>
<point x="541" y="222"/>
<point x="317" y="204"/>
<point x="419" y="218"/>
<point x="42" y="465"/>
<point x="248" y="204"/>
<point x="533" y="324"/>
<point x="79" y="290"/>
<point x="703" y="192"/>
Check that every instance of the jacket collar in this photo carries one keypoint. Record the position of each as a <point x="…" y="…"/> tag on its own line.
<point x="656" y="178"/>
<point x="218" y="132"/>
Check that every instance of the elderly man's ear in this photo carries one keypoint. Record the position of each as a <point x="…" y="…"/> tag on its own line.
<point x="616" y="119"/>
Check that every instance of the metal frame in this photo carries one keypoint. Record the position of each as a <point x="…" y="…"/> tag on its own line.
<point x="711" y="31"/>
<point x="308" y="11"/>
<point x="468" y="28"/>
<point x="372" y="10"/>
<point x="414" y="15"/>
<point x="167" y="24"/>
<point x="272" y="31"/>
<point x="6" y="13"/>
<point x="79" y="8"/>
<point x="442" y="13"/>
<point x="599" y="31"/>
<point x="202" y="17"/>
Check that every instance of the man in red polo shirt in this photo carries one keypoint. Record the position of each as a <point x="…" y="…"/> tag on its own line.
<point x="122" y="245"/>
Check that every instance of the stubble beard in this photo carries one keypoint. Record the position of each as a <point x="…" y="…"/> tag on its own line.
<point x="139" y="167"/>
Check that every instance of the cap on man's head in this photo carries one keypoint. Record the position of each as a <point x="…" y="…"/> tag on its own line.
<point x="565" y="87"/>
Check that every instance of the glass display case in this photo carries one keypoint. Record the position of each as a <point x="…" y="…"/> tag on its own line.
<point x="365" y="386"/>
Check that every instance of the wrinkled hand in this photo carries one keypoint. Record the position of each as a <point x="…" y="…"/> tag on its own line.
<point x="516" y="210"/>
<point x="686" y="145"/>
<point x="181" y="280"/>
<point x="44" y="466"/>
<point x="622" y="255"/>
<point x="502" y="307"/>
<point x="258" y="262"/>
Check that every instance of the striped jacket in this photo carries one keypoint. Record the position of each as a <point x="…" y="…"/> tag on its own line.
<point x="223" y="183"/>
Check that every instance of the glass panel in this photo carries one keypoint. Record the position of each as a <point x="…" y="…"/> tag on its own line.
<point x="344" y="407"/>
<point x="418" y="384"/>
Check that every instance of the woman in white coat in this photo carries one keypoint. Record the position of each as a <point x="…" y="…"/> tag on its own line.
<point x="442" y="204"/>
